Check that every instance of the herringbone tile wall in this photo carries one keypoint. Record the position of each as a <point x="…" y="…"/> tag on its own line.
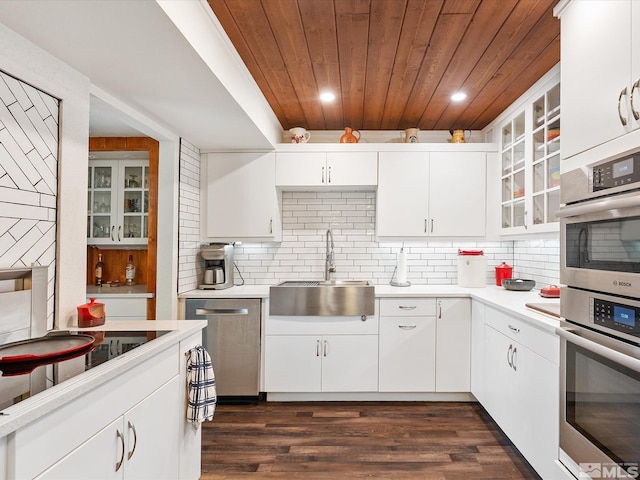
<point x="28" y="177"/>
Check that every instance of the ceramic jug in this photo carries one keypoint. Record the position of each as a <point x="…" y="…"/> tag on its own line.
<point x="299" y="135"/>
<point x="349" y="136"/>
<point x="410" y="135"/>
<point x="457" y="136"/>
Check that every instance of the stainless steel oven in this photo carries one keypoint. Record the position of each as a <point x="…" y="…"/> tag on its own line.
<point x="600" y="227"/>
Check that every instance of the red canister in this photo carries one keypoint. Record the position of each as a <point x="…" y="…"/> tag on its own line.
<point x="503" y="271"/>
<point x="91" y="314"/>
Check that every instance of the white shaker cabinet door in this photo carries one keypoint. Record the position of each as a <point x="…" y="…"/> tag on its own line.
<point x="403" y="194"/>
<point x="408" y="354"/>
<point x="350" y="363"/>
<point x="596" y="67"/>
<point x="457" y="194"/>
<point x="241" y="196"/>
<point x="352" y="169"/>
<point x="297" y="169"/>
<point x="453" y="345"/>
<point x="293" y="363"/>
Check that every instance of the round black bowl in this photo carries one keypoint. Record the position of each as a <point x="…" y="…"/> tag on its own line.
<point x="518" y="284"/>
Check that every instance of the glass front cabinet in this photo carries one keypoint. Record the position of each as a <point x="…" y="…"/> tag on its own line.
<point x="118" y="202"/>
<point x="530" y="173"/>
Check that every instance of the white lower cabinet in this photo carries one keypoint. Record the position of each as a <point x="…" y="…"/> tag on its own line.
<point x="425" y="344"/>
<point x="140" y="444"/>
<point x="520" y="387"/>
<point x="321" y="354"/>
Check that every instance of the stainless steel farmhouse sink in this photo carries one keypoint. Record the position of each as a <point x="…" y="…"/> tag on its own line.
<point x="322" y="298"/>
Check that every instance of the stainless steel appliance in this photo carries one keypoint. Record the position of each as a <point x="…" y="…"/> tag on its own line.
<point x="232" y="338"/>
<point x="600" y="227"/>
<point x="218" y="268"/>
<point x="600" y="331"/>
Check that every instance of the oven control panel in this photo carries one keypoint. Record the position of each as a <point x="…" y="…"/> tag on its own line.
<point x="616" y="173"/>
<point x="616" y="316"/>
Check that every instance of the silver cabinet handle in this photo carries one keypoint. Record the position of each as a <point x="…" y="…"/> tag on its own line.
<point x="406" y="327"/>
<point x="407" y="307"/>
<point x="432" y="225"/>
<point x="325" y="349"/>
<point x="329" y="175"/>
<point x="119" y="230"/>
<point x="634" y="88"/>
<point x="514" y="357"/>
<point x="425" y="225"/>
<point x="222" y="311"/>
<point x="439" y="309"/>
<point x="322" y="174"/>
<point x="514" y="329"/>
<point x="121" y="437"/>
<point x="509" y="353"/>
<point x="623" y="93"/>
<point x="318" y="348"/>
<point x="135" y="440"/>
<point x="112" y="228"/>
<point x="271" y="225"/>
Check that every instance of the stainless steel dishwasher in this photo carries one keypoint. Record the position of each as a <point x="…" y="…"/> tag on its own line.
<point x="232" y="338"/>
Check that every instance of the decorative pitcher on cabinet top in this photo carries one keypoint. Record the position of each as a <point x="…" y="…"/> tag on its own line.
<point x="457" y="136"/>
<point x="410" y="135"/>
<point x="349" y="136"/>
<point x="299" y="135"/>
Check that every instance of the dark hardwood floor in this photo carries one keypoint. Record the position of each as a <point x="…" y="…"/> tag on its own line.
<point x="345" y="440"/>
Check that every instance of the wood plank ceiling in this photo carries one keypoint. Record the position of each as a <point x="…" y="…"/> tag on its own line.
<point x="392" y="64"/>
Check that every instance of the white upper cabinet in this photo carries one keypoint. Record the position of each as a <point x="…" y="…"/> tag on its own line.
<point x="431" y="194"/>
<point x="600" y="72"/>
<point x="118" y="202"/>
<point x="326" y="169"/>
<point x="241" y="196"/>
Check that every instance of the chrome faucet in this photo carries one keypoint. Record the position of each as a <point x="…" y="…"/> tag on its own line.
<point x="329" y="263"/>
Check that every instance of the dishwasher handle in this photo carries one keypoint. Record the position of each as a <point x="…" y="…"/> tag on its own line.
<point x="222" y="311"/>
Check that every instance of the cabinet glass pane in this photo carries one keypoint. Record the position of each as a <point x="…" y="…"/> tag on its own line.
<point x="554" y="171"/>
<point x="538" y="113"/>
<point x="506" y="189"/>
<point x="132" y="227"/>
<point x="101" y="226"/>
<point x="553" y="102"/>
<point x="538" y="177"/>
<point x="506" y="162"/>
<point x="506" y="216"/>
<point x="518" y="155"/>
<point x="518" y="214"/>
<point x="146" y="226"/>
<point x="101" y="202"/>
<point x="507" y="136"/>
<point x="538" y="145"/>
<point x="553" y="137"/>
<point x="518" y="184"/>
<point x="518" y="127"/>
<point x="146" y="203"/>
<point x="146" y="178"/>
<point x="89" y="181"/>
<point x="132" y="202"/>
<point x="133" y="177"/>
<point x="538" y="209"/>
<point x="102" y="177"/>
<point x="553" y="204"/>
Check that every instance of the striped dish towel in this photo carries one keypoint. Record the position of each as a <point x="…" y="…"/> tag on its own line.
<point x="201" y="386"/>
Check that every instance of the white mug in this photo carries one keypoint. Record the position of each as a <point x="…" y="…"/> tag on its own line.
<point x="299" y="135"/>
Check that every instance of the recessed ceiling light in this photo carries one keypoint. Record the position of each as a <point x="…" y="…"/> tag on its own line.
<point x="458" y="97"/>
<point x="327" y="97"/>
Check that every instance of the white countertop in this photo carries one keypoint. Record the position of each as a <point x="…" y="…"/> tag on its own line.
<point x="512" y="302"/>
<point x="48" y="400"/>
<point x="123" y="291"/>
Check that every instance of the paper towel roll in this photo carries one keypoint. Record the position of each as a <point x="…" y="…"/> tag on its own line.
<point x="401" y="277"/>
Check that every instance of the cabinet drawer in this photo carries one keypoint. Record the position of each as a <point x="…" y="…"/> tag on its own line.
<point x="407" y="307"/>
<point x="545" y="344"/>
<point x="129" y="308"/>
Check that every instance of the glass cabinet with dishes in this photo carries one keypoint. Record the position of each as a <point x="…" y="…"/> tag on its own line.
<point x="118" y="202"/>
<point x="530" y="165"/>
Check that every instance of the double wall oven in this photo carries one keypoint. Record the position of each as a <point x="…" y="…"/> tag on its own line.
<point x="600" y="333"/>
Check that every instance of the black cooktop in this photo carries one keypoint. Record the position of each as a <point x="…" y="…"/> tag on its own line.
<point x="21" y="380"/>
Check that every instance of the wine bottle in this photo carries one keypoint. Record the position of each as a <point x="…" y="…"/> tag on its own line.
<point x="99" y="270"/>
<point x="130" y="271"/>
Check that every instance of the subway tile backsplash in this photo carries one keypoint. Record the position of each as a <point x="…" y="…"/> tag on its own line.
<point x="306" y="216"/>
